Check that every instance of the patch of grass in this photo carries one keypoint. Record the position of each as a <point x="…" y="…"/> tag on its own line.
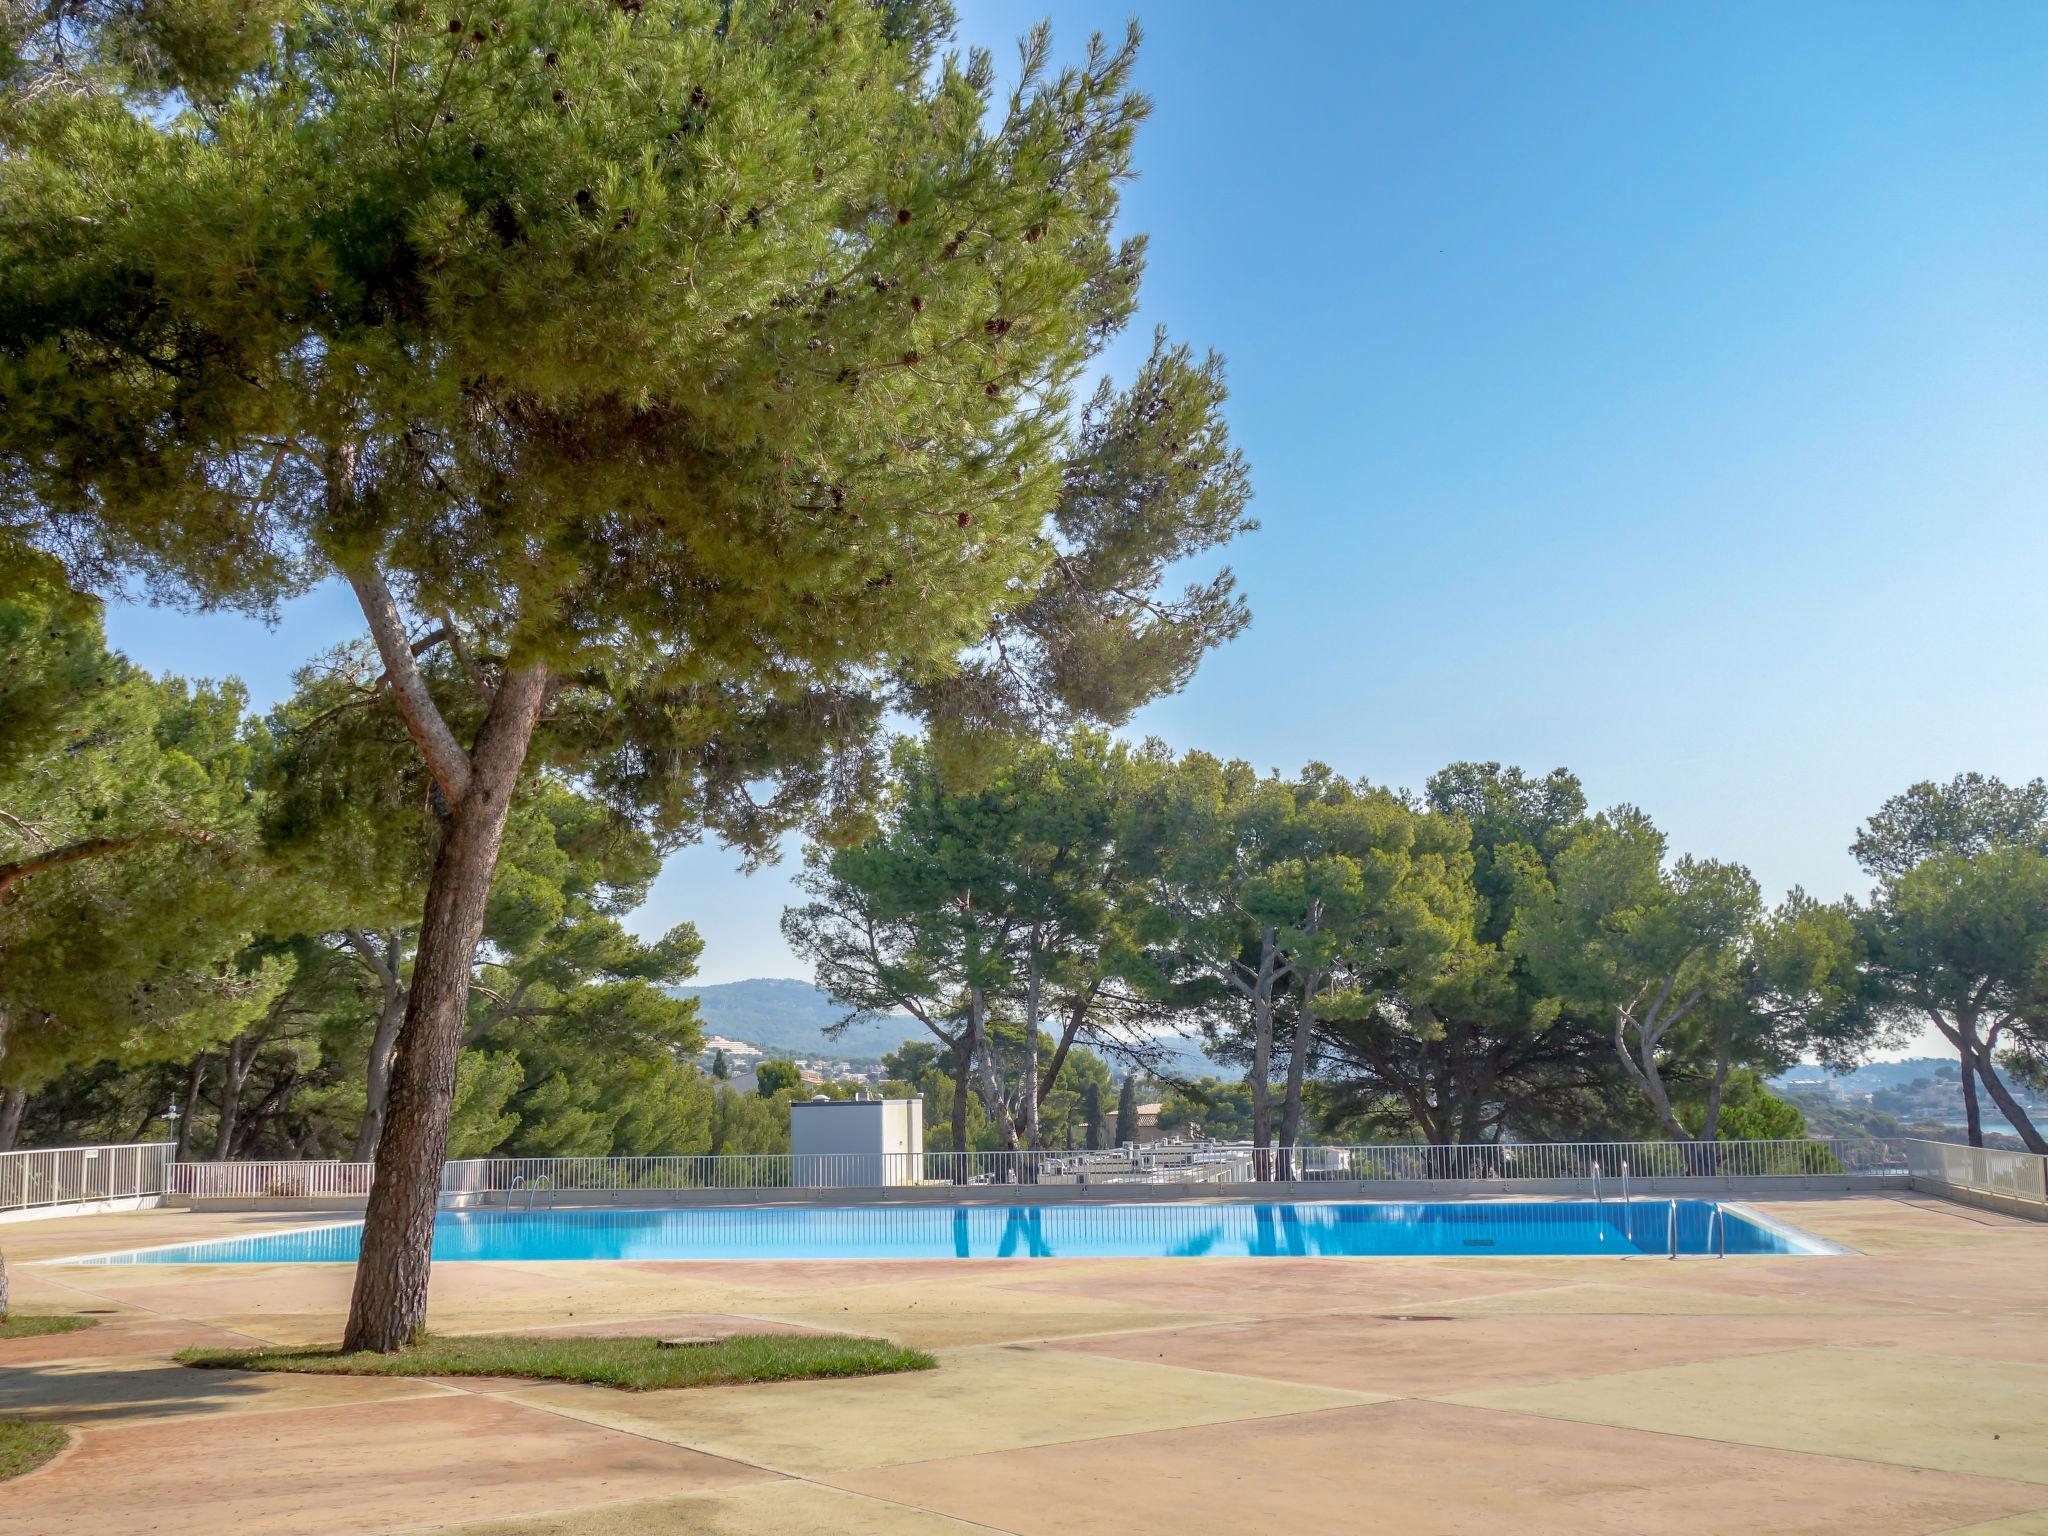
<point x="632" y="1364"/>
<point x="22" y="1325"/>
<point x="25" y="1446"/>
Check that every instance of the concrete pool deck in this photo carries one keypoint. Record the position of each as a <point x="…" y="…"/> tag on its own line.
<point x="1903" y="1388"/>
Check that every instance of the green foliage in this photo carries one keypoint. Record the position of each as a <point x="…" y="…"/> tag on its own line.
<point x="1222" y="1110"/>
<point x="747" y="1123"/>
<point x="717" y="360"/>
<point x="484" y="1084"/>
<point x="773" y="1077"/>
<point x="634" y="1365"/>
<point x="1973" y="813"/>
<point x="1127" y="1110"/>
<point x="1751" y="1112"/>
<point x="130" y="877"/>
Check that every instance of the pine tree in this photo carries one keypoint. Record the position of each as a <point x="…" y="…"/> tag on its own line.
<point x="130" y="878"/>
<point x="1127" y="1110"/>
<point x="1091" y="1115"/>
<point x="692" y="377"/>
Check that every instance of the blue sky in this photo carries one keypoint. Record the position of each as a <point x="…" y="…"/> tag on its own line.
<point x="1660" y="391"/>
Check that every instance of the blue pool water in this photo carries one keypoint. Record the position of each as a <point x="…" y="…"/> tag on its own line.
<point x="1180" y="1229"/>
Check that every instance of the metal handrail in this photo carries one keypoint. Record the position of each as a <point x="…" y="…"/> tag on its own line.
<point x="65" y="1175"/>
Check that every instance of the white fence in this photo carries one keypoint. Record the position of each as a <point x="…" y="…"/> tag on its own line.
<point x="77" y="1175"/>
<point x="2019" y="1176"/>
<point x="277" y="1181"/>
<point x="488" y="1180"/>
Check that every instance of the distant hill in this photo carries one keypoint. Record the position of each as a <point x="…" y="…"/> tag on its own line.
<point x="788" y="1018"/>
<point x="785" y="1017"/>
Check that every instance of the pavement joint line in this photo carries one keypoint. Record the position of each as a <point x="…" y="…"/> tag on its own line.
<point x="564" y="1411"/>
<point x="1372" y="1395"/>
<point x="1449" y="1400"/>
<point x="1978" y="1525"/>
<point x="457" y="1527"/>
<point x="1991" y="1219"/>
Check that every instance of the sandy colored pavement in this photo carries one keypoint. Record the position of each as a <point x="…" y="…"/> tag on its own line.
<point x="1903" y="1389"/>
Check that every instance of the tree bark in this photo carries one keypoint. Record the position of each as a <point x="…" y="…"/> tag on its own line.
<point x="390" y="1016"/>
<point x="984" y="1056"/>
<point x="1962" y="1035"/>
<point x="1031" y="1137"/>
<point x="1297" y="1071"/>
<point x="195" y="1080"/>
<point x="1261" y="993"/>
<point x="1973" y="1116"/>
<point x="2009" y="1106"/>
<point x="234" y="1073"/>
<point x="13" y="1101"/>
<point x="963" y="1071"/>
<point x="389" y="1305"/>
<point x="1649" y="1032"/>
<point x="1077" y="1015"/>
<point x="250" y="1126"/>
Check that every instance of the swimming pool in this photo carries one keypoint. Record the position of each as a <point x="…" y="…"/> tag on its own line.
<point x="1183" y="1229"/>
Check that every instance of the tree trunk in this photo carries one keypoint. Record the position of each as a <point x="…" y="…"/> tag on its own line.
<point x="963" y="1072"/>
<point x="1962" y="1035"/>
<point x="234" y="1073"/>
<point x="1077" y="1015"/>
<point x="1645" y="1073"/>
<point x="1262" y="1056"/>
<point x="984" y="1055"/>
<point x="1297" y="1070"/>
<point x="1709" y="1158"/>
<point x="2009" y="1106"/>
<point x="13" y="1101"/>
<point x="1032" y="1139"/>
<point x="1973" y="1117"/>
<point x="195" y="1080"/>
<point x="389" y="1305"/>
<point x="390" y="1016"/>
<point x="251" y="1125"/>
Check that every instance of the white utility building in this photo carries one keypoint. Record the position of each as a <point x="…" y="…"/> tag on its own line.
<point x="857" y="1143"/>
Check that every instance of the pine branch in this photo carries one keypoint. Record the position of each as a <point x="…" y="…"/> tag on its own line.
<point x="445" y="759"/>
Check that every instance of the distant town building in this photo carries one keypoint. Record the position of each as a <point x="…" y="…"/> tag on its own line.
<point x="732" y="1048"/>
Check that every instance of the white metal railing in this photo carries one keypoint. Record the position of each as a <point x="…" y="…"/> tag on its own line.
<point x="70" y="1175"/>
<point x="278" y="1180"/>
<point x="493" y="1180"/>
<point x="1986" y="1170"/>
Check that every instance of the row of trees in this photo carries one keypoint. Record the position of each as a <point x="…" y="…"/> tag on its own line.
<point x="217" y="911"/>
<point x="1486" y="959"/>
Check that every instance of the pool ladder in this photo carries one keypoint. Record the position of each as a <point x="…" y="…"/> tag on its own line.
<point x="540" y="1184"/>
<point x="1717" y="1231"/>
<point x="1599" y="1197"/>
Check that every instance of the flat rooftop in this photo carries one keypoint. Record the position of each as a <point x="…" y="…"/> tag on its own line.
<point x="1899" y="1389"/>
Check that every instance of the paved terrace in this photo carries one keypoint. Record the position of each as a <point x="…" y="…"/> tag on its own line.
<point x="1904" y="1390"/>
